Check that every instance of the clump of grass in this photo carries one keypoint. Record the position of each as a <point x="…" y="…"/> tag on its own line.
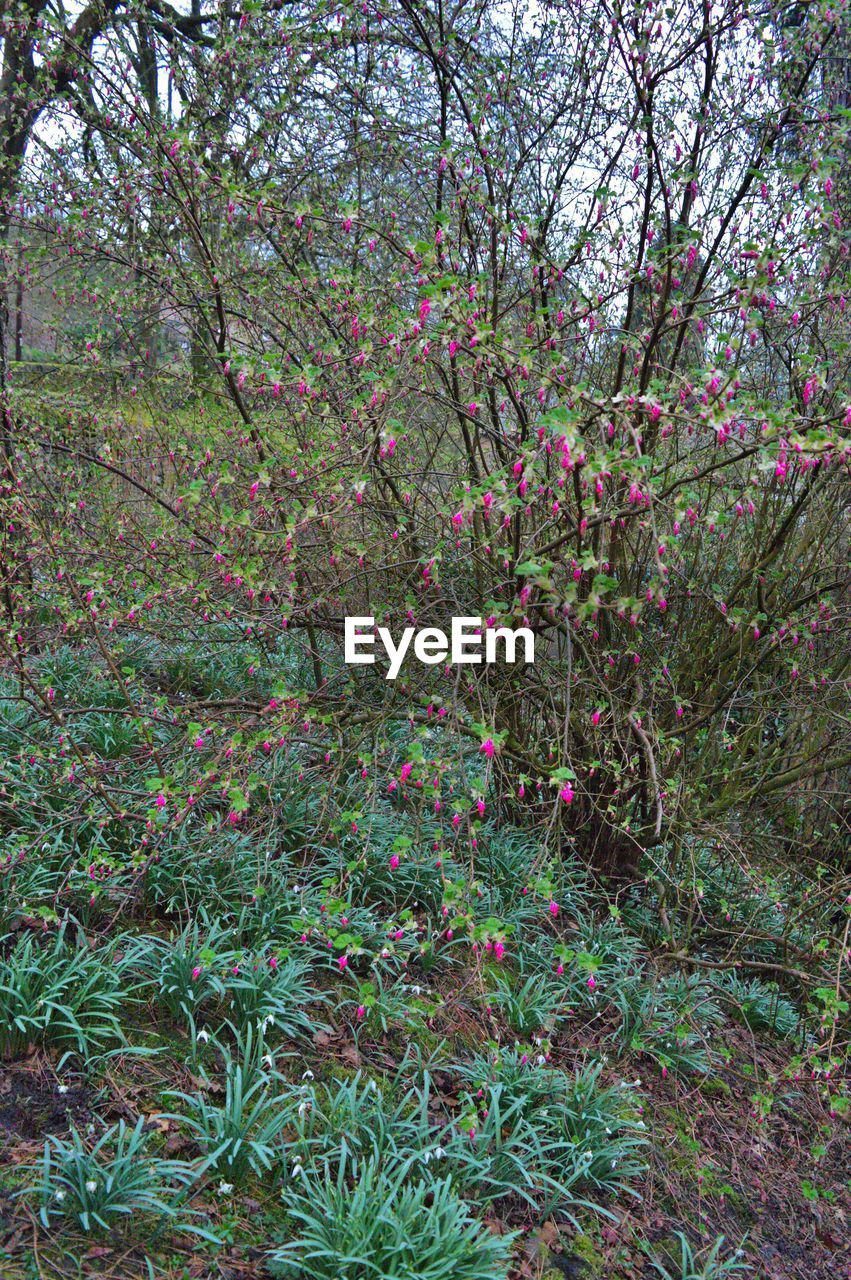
<point x="60" y="996"/>
<point x="381" y="1225"/>
<point x="115" y="1181"/>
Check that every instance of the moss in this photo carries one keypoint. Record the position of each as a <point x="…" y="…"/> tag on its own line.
<point x="584" y="1248"/>
<point x="715" y="1087"/>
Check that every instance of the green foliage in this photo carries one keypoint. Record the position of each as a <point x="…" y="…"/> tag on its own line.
<point x="560" y="1139"/>
<point x="665" y="1021"/>
<point x="274" y="990"/>
<point x="242" y="1130"/>
<point x="708" y="1263"/>
<point x="383" y="1226"/>
<point x="106" y="1186"/>
<point x="345" y="1124"/>
<point x="187" y="973"/>
<point x="760" y="1005"/>
<point x="60" y="995"/>
<point x="529" y="1007"/>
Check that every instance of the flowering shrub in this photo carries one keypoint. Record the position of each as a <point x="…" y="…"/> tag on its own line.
<point x="535" y="315"/>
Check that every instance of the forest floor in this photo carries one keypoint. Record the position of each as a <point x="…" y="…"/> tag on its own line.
<point x="781" y="1183"/>
<point x="293" y="1045"/>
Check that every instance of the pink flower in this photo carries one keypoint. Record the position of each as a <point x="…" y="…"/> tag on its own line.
<point x="196" y="973"/>
<point x="595" y="717"/>
<point x="273" y="963"/>
<point x="361" y="1013"/>
<point x="553" y="908"/>
<point x="592" y="983"/>
<point x="343" y="962"/>
<point x="480" y="805"/>
<point x="160" y="801"/>
<point x="488" y="748"/>
<point x="566" y="793"/>
<point x="394" y="861"/>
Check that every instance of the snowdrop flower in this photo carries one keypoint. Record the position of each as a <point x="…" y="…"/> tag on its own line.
<point x="225" y="1188"/>
<point x="203" y="1036"/>
<point x="91" y="1185"/>
<point x="59" y="1195"/>
<point x="308" y="1075"/>
<point x="268" y="1060"/>
<point x="63" y="1088"/>
<point x="303" y="1108"/>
